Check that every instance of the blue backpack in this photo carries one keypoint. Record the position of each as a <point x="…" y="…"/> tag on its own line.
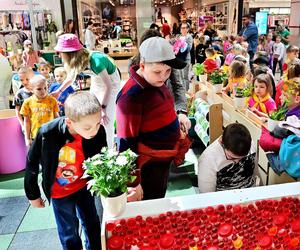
<point x="289" y="155"/>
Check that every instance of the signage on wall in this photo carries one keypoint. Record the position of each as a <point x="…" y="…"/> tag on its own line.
<point x="25" y="2"/>
<point x="261" y="22"/>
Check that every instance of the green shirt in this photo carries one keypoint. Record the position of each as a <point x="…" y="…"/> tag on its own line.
<point x="284" y="34"/>
<point x="100" y="62"/>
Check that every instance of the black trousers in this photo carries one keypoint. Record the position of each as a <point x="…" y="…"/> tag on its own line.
<point x="275" y="61"/>
<point x="154" y="179"/>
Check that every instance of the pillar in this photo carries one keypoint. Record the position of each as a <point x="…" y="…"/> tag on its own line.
<point x="144" y="15"/>
<point x="295" y="22"/>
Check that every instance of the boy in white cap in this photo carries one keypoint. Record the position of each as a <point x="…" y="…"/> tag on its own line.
<point x="146" y="120"/>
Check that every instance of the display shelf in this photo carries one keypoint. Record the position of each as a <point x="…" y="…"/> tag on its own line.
<point x="257" y="218"/>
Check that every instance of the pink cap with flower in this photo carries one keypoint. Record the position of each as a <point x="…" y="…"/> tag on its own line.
<point x="68" y="43"/>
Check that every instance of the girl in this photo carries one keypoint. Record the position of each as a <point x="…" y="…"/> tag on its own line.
<point x="261" y="101"/>
<point x="237" y="76"/>
<point x="278" y="55"/>
<point x="44" y="69"/>
<point x="29" y="56"/>
<point x="105" y="82"/>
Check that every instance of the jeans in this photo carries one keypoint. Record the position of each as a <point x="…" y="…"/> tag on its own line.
<point x="68" y="211"/>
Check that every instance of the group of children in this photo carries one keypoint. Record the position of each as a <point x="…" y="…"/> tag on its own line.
<point x="33" y="103"/>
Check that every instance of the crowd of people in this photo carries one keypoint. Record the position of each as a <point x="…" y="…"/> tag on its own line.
<point x="62" y="128"/>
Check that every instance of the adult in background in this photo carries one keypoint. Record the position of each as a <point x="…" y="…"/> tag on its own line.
<point x="184" y="73"/>
<point x="249" y="33"/>
<point x="105" y="78"/>
<point x="284" y="33"/>
<point x="68" y="28"/>
<point x="89" y="36"/>
<point x="210" y="32"/>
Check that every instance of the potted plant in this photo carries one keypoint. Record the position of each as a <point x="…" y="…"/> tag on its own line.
<point x="109" y="173"/>
<point x="46" y="45"/>
<point x="217" y="79"/>
<point x="241" y="96"/>
<point x="19" y="48"/>
<point x="276" y="116"/>
<point x="199" y="71"/>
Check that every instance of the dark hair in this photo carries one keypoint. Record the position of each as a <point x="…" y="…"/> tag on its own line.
<point x="237" y="139"/>
<point x="147" y="34"/>
<point x="66" y="26"/>
<point x="260" y="70"/>
<point x="247" y="16"/>
<point x="266" y="79"/>
<point x="293" y="71"/>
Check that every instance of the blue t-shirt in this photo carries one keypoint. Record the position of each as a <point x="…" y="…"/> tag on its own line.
<point x="63" y="96"/>
<point x="250" y="33"/>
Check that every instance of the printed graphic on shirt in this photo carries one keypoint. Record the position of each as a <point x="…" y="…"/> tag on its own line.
<point x="67" y="172"/>
<point x="237" y="175"/>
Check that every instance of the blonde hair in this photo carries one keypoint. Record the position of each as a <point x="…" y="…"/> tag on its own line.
<point x="37" y="79"/>
<point x="60" y="70"/>
<point x="25" y="70"/>
<point x="237" y="69"/>
<point x="44" y="64"/>
<point x="81" y="104"/>
<point x="77" y="60"/>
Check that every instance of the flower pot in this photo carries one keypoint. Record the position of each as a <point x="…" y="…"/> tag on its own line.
<point x="114" y="206"/>
<point x="272" y="124"/>
<point x="217" y="88"/>
<point x="203" y="78"/>
<point x="20" y="51"/>
<point x="46" y="48"/>
<point x="239" y="102"/>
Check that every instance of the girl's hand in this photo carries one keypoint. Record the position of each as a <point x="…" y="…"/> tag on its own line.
<point x="135" y="194"/>
<point x="105" y="118"/>
<point x="28" y="142"/>
<point x="39" y="203"/>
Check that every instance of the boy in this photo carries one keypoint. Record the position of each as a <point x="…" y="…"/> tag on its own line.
<point x="38" y="109"/>
<point x="146" y="120"/>
<point x="61" y="146"/>
<point x="60" y="75"/>
<point x="210" y="63"/>
<point x="229" y="162"/>
<point x="25" y="74"/>
<point x="278" y="55"/>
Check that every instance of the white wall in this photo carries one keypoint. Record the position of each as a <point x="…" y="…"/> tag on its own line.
<point x="51" y="5"/>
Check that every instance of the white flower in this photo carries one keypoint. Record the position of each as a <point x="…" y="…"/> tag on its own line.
<point x="111" y="153"/>
<point x="121" y="160"/>
<point x="132" y="154"/>
<point x="85" y="175"/>
<point x="98" y="162"/>
<point x="90" y="183"/>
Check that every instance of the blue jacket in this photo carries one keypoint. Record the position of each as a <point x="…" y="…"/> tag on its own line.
<point x="250" y="33"/>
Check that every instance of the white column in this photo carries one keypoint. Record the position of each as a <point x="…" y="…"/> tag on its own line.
<point x="32" y="24"/>
<point x="232" y="17"/>
<point x="144" y="14"/>
<point x="295" y="22"/>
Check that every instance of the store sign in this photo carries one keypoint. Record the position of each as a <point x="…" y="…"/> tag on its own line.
<point x="261" y="22"/>
<point x="25" y="2"/>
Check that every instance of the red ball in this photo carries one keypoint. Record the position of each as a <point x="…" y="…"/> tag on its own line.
<point x="225" y="230"/>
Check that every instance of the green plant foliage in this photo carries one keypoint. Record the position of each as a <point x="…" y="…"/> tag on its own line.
<point x="110" y="172"/>
<point x="279" y="114"/>
<point x="218" y="77"/>
<point x="244" y="92"/>
<point x="198" y="69"/>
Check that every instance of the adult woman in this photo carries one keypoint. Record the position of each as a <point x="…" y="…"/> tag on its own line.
<point x="68" y="28"/>
<point x="105" y="82"/>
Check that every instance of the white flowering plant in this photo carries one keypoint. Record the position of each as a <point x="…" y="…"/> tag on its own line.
<point x="110" y="172"/>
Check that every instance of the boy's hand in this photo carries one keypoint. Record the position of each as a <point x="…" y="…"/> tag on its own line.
<point x="185" y="123"/>
<point x="135" y="194"/>
<point x="39" y="203"/>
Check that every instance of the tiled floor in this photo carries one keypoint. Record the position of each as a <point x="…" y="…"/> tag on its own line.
<point x="27" y="228"/>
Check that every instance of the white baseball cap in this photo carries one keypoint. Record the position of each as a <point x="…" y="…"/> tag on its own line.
<point x="157" y="49"/>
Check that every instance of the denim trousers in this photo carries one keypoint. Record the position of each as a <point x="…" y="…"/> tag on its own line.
<point x="68" y="211"/>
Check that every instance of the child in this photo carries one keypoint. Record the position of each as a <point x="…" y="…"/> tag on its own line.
<point x="293" y="73"/>
<point x="292" y="53"/>
<point x="60" y="75"/>
<point x="61" y="145"/>
<point x="200" y="50"/>
<point x="44" y="69"/>
<point x="278" y="54"/>
<point x="261" y="101"/>
<point x="229" y="162"/>
<point x="237" y="76"/>
<point x="146" y="120"/>
<point x="29" y="56"/>
<point x="210" y="63"/>
<point x="38" y="109"/>
<point x="291" y="97"/>
<point x="25" y="74"/>
<point x="226" y="44"/>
